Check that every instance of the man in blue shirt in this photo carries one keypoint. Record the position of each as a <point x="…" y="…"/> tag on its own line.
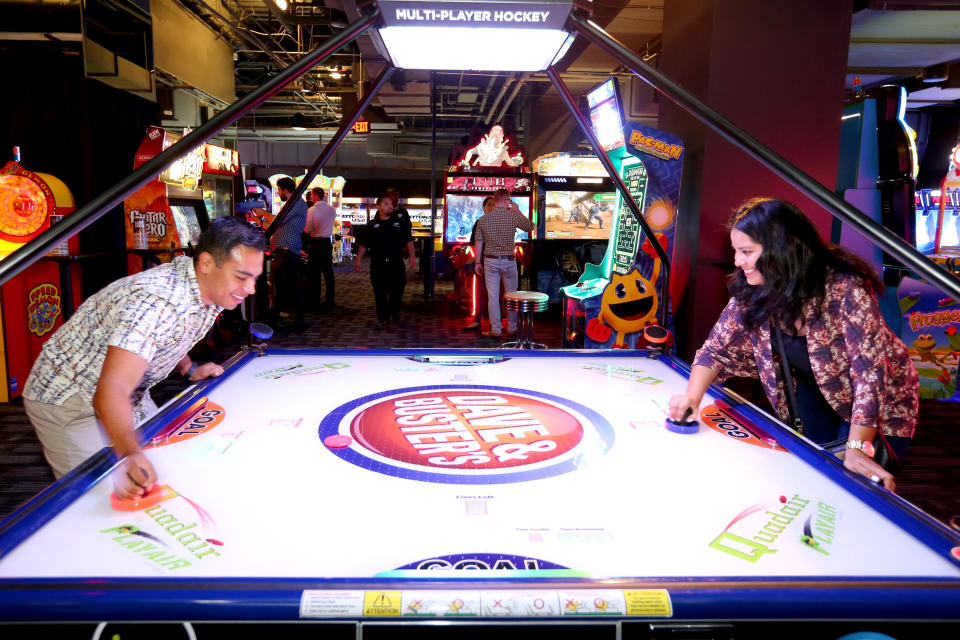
<point x="285" y="245"/>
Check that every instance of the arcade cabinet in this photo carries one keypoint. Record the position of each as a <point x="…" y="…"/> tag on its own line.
<point x="165" y="217"/>
<point x="617" y="298"/>
<point x="494" y="161"/>
<point x="36" y="302"/>
<point x="574" y="202"/>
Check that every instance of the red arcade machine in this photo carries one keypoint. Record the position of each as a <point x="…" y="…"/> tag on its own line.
<point x="166" y="216"/>
<point x="493" y="162"/>
<point x="36" y="302"/>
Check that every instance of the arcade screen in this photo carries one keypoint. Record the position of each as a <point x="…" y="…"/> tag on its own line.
<point x="187" y="220"/>
<point x="578" y="215"/>
<point x="606" y="114"/>
<point x="218" y="195"/>
<point x="925" y="231"/>
<point x="464" y="210"/>
<point x="950" y="229"/>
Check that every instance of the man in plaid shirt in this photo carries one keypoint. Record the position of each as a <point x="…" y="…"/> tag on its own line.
<point x="496" y="233"/>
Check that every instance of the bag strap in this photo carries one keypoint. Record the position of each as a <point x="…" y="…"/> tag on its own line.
<point x="787" y="376"/>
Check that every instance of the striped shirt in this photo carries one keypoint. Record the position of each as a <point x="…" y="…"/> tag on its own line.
<point x="497" y="230"/>
<point x="157" y="314"/>
<point x="288" y="233"/>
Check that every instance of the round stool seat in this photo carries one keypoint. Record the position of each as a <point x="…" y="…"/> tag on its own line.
<point x="525" y="303"/>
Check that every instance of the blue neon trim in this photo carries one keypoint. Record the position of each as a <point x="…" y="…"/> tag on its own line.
<point x="43" y="507"/>
<point x="279" y="599"/>
<point x="926" y="529"/>
<point x="506" y="353"/>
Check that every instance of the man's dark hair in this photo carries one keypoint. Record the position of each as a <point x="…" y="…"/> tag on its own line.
<point x="382" y="198"/>
<point x="287" y="183"/>
<point x="224" y="234"/>
<point x="488" y="199"/>
<point x="319" y="192"/>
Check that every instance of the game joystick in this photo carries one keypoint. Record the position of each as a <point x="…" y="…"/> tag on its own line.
<point x="259" y="334"/>
<point x="683" y="425"/>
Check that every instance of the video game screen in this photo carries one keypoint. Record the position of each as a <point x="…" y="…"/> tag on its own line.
<point x="576" y="215"/>
<point x="925" y="231"/>
<point x="188" y="225"/>
<point x="464" y="210"/>
<point x="606" y="115"/>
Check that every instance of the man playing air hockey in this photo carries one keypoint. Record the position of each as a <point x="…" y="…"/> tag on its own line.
<point x="90" y="384"/>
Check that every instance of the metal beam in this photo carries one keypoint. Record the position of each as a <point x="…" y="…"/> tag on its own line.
<point x="878" y="235"/>
<point x="89" y="213"/>
<point x="568" y="99"/>
<point x="331" y="147"/>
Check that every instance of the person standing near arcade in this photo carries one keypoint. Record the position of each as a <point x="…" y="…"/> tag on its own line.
<point x="320" y="219"/>
<point x="90" y="384"/>
<point x="495" y="260"/>
<point x="387" y="236"/>
<point x="481" y="311"/>
<point x="404" y="215"/>
<point x="852" y="375"/>
<point x="285" y="246"/>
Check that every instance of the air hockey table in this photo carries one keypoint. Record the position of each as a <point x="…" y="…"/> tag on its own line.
<point x="362" y="485"/>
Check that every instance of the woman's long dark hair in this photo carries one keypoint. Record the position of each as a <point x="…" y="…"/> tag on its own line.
<point x="793" y="263"/>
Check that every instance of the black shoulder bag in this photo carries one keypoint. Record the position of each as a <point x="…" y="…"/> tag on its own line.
<point x="883" y="454"/>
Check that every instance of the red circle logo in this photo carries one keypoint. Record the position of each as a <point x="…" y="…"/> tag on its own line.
<point x="466" y="429"/>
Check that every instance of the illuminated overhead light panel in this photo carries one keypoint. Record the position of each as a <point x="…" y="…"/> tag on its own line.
<point x="298" y="122"/>
<point x="281" y="4"/>
<point x="493" y="35"/>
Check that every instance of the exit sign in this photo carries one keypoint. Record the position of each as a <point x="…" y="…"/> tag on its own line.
<point x="361" y="126"/>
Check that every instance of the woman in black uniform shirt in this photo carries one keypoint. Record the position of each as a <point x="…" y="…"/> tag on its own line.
<point x="386" y="237"/>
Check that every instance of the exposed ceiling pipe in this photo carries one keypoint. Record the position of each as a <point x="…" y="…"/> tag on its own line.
<point x="486" y="94"/>
<point x="496" y="102"/>
<point x="513" y="94"/>
<point x="254" y="41"/>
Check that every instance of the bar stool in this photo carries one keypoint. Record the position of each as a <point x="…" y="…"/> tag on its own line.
<point x="525" y="303"/>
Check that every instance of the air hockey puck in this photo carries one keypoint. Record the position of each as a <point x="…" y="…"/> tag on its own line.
<point x="261" y="331"/>
<point x="691" y="426"/>
<point x="337" y="441"/>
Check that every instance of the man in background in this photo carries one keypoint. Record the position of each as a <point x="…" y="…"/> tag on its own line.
<point x="320" y="219"/>
<point x="285" y="246"/>
<point x="495" y="260"/>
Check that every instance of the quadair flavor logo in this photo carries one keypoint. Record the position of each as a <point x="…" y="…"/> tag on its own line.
<point x="757" y="541"/>
<point x="466" y="434"/>
<point x="169" y="540"/>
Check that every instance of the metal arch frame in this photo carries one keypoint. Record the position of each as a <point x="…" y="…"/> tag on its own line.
<point x="579" y="24"/>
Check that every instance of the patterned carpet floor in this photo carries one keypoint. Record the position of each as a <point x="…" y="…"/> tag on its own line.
<point x="930" y="478"/>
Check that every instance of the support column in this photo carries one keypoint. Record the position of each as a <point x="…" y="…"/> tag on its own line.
<point x="776" y="70"/>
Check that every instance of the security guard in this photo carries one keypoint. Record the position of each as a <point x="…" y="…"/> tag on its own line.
<point x="386" y="237"/>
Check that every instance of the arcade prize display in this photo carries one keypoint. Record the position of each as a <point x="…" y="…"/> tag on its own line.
<point x="931" y="320"/>
<point x="614" y="301"/>
<point x="166" y="216"/>
<point x="37" y="301"/>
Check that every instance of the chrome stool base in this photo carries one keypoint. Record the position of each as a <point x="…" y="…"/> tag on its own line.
<point x="525" y="303"/>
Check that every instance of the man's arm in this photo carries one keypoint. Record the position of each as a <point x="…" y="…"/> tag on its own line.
<point x="413" y="255"/>
<point x="121" y="373"/>
<point x="478" y="251"/>
<point x="362" y="250"/>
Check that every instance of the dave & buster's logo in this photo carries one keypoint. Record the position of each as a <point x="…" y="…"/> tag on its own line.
<point x="467" y="434"/>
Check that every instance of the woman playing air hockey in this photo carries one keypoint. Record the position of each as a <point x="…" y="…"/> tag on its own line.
<point x="851" y="374"/>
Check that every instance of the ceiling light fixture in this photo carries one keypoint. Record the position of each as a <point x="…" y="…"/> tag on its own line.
<point x="298" y="122"/>
<point x="937" y="72"/>
<point x="497" y="34"/>
<point x="336" y="75"/>
<point x="281" y="4"/>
